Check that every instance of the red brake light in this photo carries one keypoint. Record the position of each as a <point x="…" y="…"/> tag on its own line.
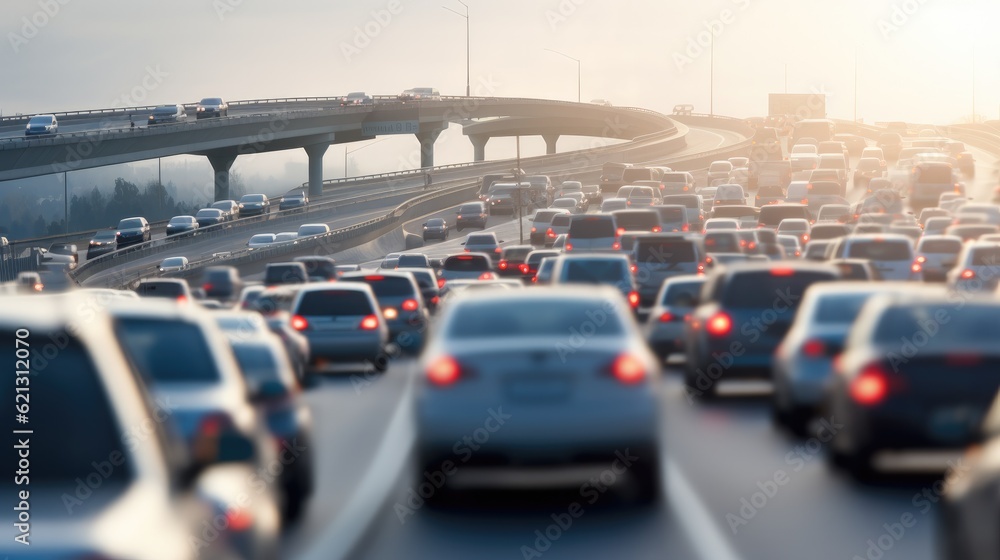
<point x="550" y="233"/>
<point x="633" y="299"/>
<point x="459" y="216"/>
<point x="369" y="323"/>
<point x="523" y="268"/>
<point x="814" y="348"/>
<point x="374" y="278"/>
<point x="916" y="267"/>
<point x="657" y="229"/>
<point x="968" y="274"/>
<point x="498" y="250"/>
<point x="871" y="387"/>
<point x="666" y="317"/>
<point x="719" y="324"/>
<point x="616" y="245"/>
<point x="410" y="305"/>
<point x="299" y="323"/>
<point x="633" y="268"/>
<point x="628" y="369"/>
<point x="782" y="271"/>
<point x="486" y="276"/>
<point x="921" y="259"/>
<point x="441" y="282"/>
<point x="621" y="230"/>
<point x="239" y="519"/>
<point x="207" y="287"/>
<point x="685" y="227"/>
<point x="569" y="246"/>
<point x="503" y="265"/>
<point x="533" y="229"/>
<point x="435" y="300"/>
<point x="444" y="371"/>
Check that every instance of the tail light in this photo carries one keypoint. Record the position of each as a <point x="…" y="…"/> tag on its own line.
<point x="685" y="227"/>
<point x="814" y="348"/>
<point x="369" y="323"/>
<point x="633" y="268"/>
<point x="503" y="265"/>
<point x="299" y="323"/>
<point x="207" y="287"/>
<point x="568" y="246"/>
<point x="657" y="229"/>
<point x="212" y="425"/>
<point x="459" y="216"/>
<point x="390" y="313"/>
<point x="182" y="299"/>
<point x="719" y="324"/>
<point x="701" y="268"/>
<point x="667" y="317"/>
<point x="616" y="246"/>
<point x="444" y="371"/>
<point x="533" y="229"/>
<point x="239" y="519"/>
<point x="871" y="386"/>
<point x="968" y="274"/>
<point x="805" y="237"/>
<point x="633" y="299"/>
<point x="486" y="276"/>
<point x="523" y="268"/>
<point x="550" y="233"/>
<point x="498" y="250"/>
<point x="628" y="369"/>
<point x="435" y="300"/>
<point x="921" y="259"/>
<point x="916" y="267"/>
<point x="441" y="282"/>
<point x="620" y="231"/>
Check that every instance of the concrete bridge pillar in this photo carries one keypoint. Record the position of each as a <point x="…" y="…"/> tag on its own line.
<point x="315" y="153"/>
<point x="222" y="162"/>
<point x="479" y="146"/>
<point x="427" y="140"/>
<point x="550" y="143"/>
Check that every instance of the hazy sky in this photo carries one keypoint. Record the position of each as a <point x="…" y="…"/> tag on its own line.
<point x="914" y="56"/>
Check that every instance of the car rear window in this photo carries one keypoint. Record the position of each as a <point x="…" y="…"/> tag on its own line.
<point x="722" y="242"/>
<point x="592" y="227"/>
<point x="530" y="318"/>
<point x="481" y="240"/>
<point x="675" y="178"/>
<point x="840" y="309"/>
<point x="934" y="174"/>
<point x="637" y="220"/>
<point x="385" y="286"/>
<point x="976" y="324"/>
<point x="671" y="214"/>
<point x="951" y="246"/>
<point x="167" y="351"/>
<point x="470" y="209"/>
<point x="686" y="200"/>
<point x="772" y="215"/>
<point x="71" y="415"/>
<point x="467" y="263"/>
<point x="160" y="289"/>
<point x="257" y="362"/>
<point x="414" y="261"/>
<point x="824" y="188"/>
<point x="561" y="220"/>
<point x="665" y="252"/>
<point x="763" y="289"/>
<point x="986" y="256"/>
<point x="334" y="303"/>
<point x="682" y="293"/>
<point x="285" y="274"/>
<point x="880" y="250"/>
<point x="595" y="271"/>
<point x="544" y="216"/>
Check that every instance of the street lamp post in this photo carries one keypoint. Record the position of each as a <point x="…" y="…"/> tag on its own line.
<point x="348" y="152"/>
<point x="579" y="72"/>
<point x="468" y="47"/>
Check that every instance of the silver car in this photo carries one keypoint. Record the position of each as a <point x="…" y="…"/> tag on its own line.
<point x="665" y="325"/>
<point x="344" y="326"/>
<point x="546" y="387"/>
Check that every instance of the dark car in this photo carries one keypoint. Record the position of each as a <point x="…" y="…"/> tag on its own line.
<point x="659" y="257"/>
<point x="42" y="125"/>
<point x="221" y="283"/>
<point x="435" y="228"/>
<point x="181" y="224"/>
<point x="293" y="201"/>
<point x="402" y="305"/>
<point x="102" y="243"/>
<point x="472" y="214"/>
<point x="413" y="260"/>
<point x="132" y="231"/>
<point x="169" y="288"/>
<point x="511" y="259"/>
<point x="356" y="98"/>
<point x="637" y="220"/>
<point x="168" y="114"/>
<point x="427" y="282"/>
<point x="748" y="307"/>
<point x="210" y="217"/>
<point x="285" y="273"/>
<point x="254" y="205"/>
<point x="211" y="107"/>
<point x="319" y="268"/>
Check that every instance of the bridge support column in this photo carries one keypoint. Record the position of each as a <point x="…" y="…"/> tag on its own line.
<point x="550" y="143"/>
<point x="315" y="153"/>
<point x="221" y="162"/>
<point x="479" y="147"/>
<point x="427" y="140"/>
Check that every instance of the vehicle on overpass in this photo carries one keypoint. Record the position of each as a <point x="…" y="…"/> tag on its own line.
<point x="211" y="107"/>
<point x="356" y="98"/>
<point x="41" y="125"/>
<point x="419" y="94"/>
<point x="165" y="114"/>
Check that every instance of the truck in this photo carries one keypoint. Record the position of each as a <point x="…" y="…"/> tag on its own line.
<point x="769" y="173"/>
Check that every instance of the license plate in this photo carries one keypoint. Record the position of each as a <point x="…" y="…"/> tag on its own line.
<point x="545" y="389"/>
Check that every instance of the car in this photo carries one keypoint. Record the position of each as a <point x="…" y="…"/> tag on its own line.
<point x="971" y="232"/>
<point x="831" y="174"/>
<point x="318" y="267"/>
<point x="928" y="181"/>
<point x="559" y="225"/>
<point x="891" y="254"/>
<point x="261" y="240"/>
<point x="356" y="98"/>
<point x="612" y="204"/>
<point x="540" y="222"/>
<point x="102" y="243"/>
<point x="567" y="187"/>
<point x="598" y="269"/>
<point x="167" y="114"/>
<point x="210" y="217"/>
<point x="804" y="149"/>
<point x="132" y="231"/>
<point x="41" y="125"/>
<point x="833" y="214"/>
<point x="435" y="228"/>
<point x="427" y="282"/>
<point x="483" y="243"/>
<point x="511" y="259"/>
<point x="389" y="262"/>
<point x="65" y="254"/>
<point x="230" y="209"/>
<point x="771" y="215"/>
<point x="932" y="403"/>
<point x="791" y="244"/>
<point x="728" y="194"/>
<point x="254" y="205"/>
<point x="174" y="289"/>
<point x="749" y="307"/>
<point x="592" y="194"/>
<point x="720" y="223"/>
<point x="91" y="378"/>
<point x="211" y="107"/>
<point x="817" y="249"/>
<point x="676" y="299"/>
<point x="976" y="269"/>
<point x="573" y="205"/>
<point x="693" y="207"/>
<point x="828" y="231"/>
<point x="181" y="224"/>
<point x="640" y="196"/>
<point x="658" y="257"/>
<point x="533" y="261"/>
<point x="402" y="306"/>
<point x="419" y="94"/>
<point x="769" y="194"/>
<point x="297" y="200"/>
<point x="285" y="273"/>
<point x="890" y="143"/>
<point x="718" y="171"/>
<point x="936" y="255"/>
<point x="677" y="183"/>
<point x="221" y="283"/>
<point x="937" y="225"/>
<point x="557" y="402"/>
<point x="277" y="395"/>
<point x="797" y="227"/>
<point x="855" y="144"/>
<point x="592" y="233"/>
<point x="455" y="287"/>
<point x="344" y="325"/>
<point x="173" y="264"/>
<point x="822" y="193"/>
<point x="413" y="260"/>
<point x="803" y="362"/>
<point x="287" y="237"/>
<point x="310" y="230"/>
<point x="802" y="165"/>
<point x="739" y="176"/>
<point x="471" y="214"/>
<point x="466" y="266"/>
<point x="645" y="220"/>
<point x="991" y="212"/>
<point x="673" y="218"/>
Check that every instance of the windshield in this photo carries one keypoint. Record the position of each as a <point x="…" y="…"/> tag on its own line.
<point x="153" y="346"/>
<point x="40" y="120"/>
<point x="596" y="271"/>
<point x="252" y="198"/>
<point x="131" y="223"/>
<point x="881" y="250"/>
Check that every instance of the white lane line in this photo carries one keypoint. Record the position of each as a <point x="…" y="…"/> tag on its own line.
<point x="692" y="514"/>
<point x="342" y="535"/>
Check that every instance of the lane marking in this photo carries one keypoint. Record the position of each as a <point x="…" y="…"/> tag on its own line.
<point x="342" y="535"/>
<point x="696" y="521"/>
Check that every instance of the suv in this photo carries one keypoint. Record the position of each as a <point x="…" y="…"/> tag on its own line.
<point x="467" y="266"/>
<point x="693" y="205"/>
<point x="221" y="283"/>
<point x="167" y="114"/>
<point x="673" y="218"/>
<point x="319" y="268"/>
<point x="471" y="214"/>
<point x="771" y="215"/>
<point x="658" y="257"/>
<point x="592" y="233"/>
<point x="890" y="254"/>
<point x="928" y="181"/>
<point x="132" y="231"/>
<point x="285" y="273"/>
<point x="608" y="270"/>
<point x="169" y="288"/>
<point x="402" y="305"/>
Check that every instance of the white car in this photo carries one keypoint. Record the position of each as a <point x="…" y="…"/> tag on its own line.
<point x="261" y="240"/>
<point x="309" y="230"/>
<point x="286" y="236"/>
<point x="976" y="269"/>
<point x="173" y="264"/>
